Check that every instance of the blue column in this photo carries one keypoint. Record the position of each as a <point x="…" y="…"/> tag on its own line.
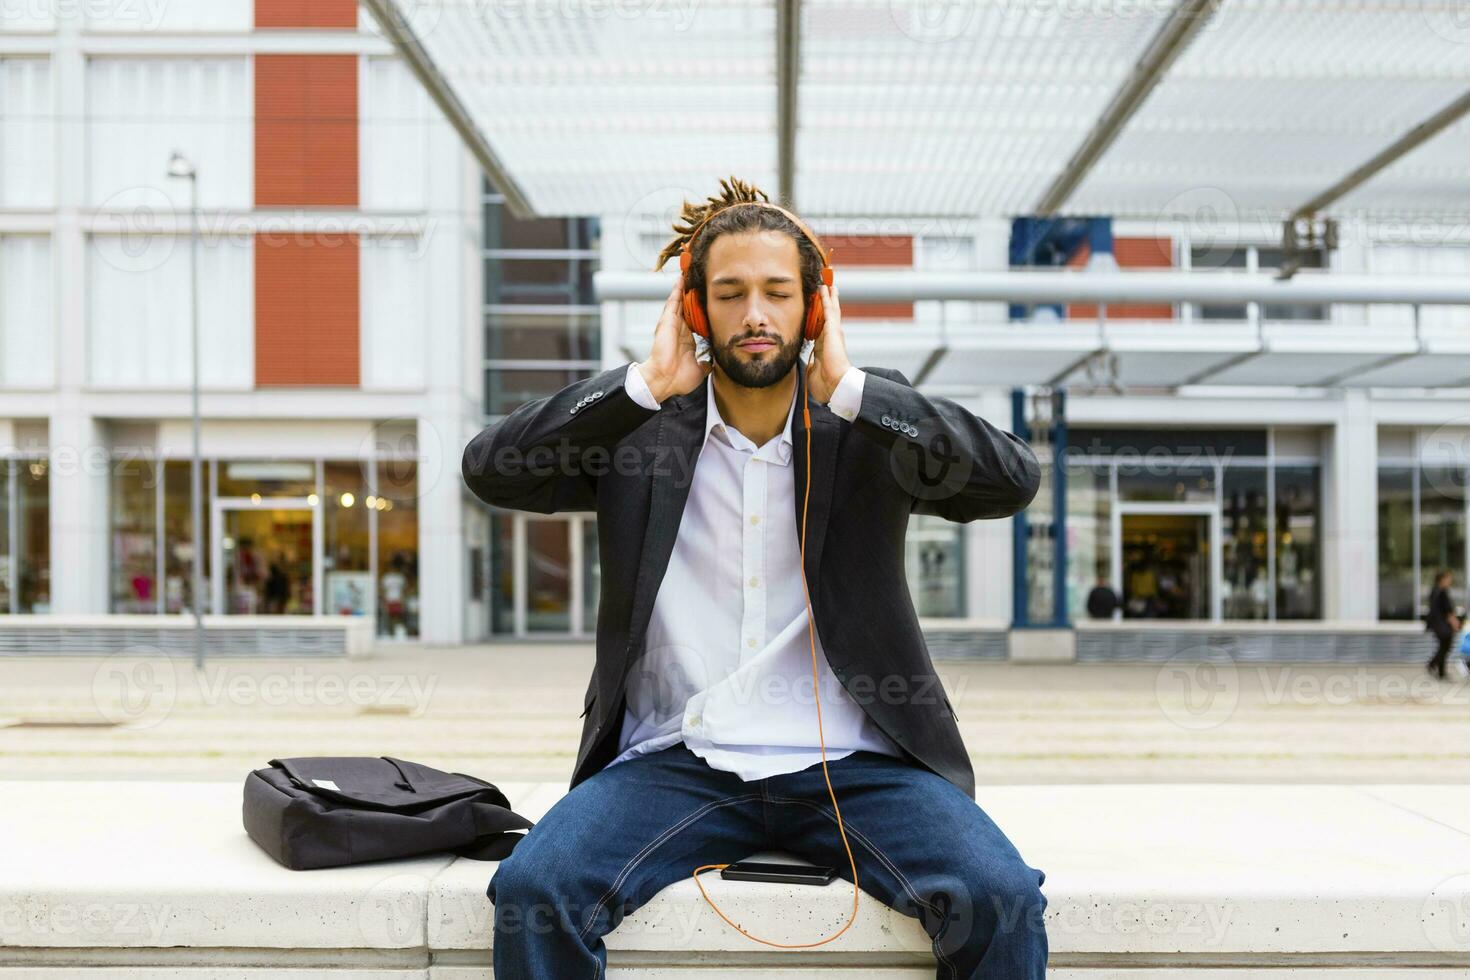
<point x="1019" y="591"/>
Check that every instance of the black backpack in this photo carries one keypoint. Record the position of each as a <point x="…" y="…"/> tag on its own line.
<point x="324" y="811"/>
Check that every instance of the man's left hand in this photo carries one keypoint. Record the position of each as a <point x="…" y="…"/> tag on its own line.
<point x="828" y="362"/>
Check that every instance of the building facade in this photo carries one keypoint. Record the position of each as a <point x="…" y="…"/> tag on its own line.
<point x="338" y="290"/>
<point x="366" y="303"/>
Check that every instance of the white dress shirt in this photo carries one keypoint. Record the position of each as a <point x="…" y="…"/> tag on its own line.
<point x="727" y="667"/>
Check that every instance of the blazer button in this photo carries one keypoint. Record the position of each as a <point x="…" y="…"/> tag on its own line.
<point x="597" y="394"/>
<point x="573" y="409"/>
<point x="887" y="420"/>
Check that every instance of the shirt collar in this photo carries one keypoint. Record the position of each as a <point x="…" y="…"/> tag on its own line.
<point x="733" y="437"/>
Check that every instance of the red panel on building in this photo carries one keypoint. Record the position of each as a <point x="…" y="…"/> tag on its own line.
<point x="306" y="130"/>
<point x="1131" y="253"/>
<point x="885" y="251"/>
<point x="306" y="309"/>
<point x="306" y="13"/>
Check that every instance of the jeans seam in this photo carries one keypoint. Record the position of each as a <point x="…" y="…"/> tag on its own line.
<point x="652" y="845"/>
<point x="887" y="861"/>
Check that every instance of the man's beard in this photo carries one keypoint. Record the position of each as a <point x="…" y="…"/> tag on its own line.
<point x="770" y="369"/>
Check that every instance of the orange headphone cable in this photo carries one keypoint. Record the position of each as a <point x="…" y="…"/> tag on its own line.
<point x="806" y="416"/>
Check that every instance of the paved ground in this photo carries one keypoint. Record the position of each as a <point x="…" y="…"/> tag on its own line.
<point x="510" y="713"/>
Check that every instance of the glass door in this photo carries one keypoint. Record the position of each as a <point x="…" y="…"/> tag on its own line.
<point x="1166" y="560"/>
<point x="543" y="575"/>
<point x="265" y="557"/>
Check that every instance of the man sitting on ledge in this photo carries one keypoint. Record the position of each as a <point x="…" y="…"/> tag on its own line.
<point x="698" y="745"/>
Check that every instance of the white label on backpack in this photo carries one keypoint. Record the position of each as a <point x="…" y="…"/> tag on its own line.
<point x="326" y="784"/>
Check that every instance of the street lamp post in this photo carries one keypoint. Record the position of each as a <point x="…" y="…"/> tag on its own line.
<point x="179" y="166"/>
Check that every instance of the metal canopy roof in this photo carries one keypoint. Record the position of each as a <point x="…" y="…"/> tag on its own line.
<point x="1133" y="108"/>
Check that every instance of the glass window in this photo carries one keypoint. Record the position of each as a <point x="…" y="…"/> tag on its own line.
<point x="1396" y="587"/>
<point x="134" y="534"/>
<point x="267" y="477"/>
<point x="178" y="536"/>
<point x="346" y="508"/>
<point x="1089" y="536"/>
<point x="1245" y="590"/>
<point x="1041" y="551"/>
<point x="1297" y="510"/>
<point x="934" y="551"/>
<point x="502" y="573"/>
<point x="553" y="281"/>
<point x="1441" y="528"/>
<point x="1155" y="478"/>
<point x="591" y="576"/>
<point x="507" y="388"/>
<point x="7" y="554"/>
<point x="33" y="502"/>
<point x="542" y="336"/>
<point x="398" y="548"/>
<point x="1269" y="260"/>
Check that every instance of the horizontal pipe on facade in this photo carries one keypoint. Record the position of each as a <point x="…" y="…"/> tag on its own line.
<point x="1035" y="286"/>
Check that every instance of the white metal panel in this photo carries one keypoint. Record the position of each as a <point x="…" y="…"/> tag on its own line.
<point x="395" y="118"/>
<point x="28" y="15"/>
<point x="172" y="15"/>
<point x="26" y="133"/>
<point x="1276" y="100"/>
<point x="139" y="110"/>
<point x="27" y="324"/>
<point x="138" y="315"/>
<point x="1429" y="259"/>
<point x="911" y="107"/>
<point x="394" y="286"/>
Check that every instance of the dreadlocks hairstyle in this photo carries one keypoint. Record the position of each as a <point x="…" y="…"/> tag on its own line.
<point x="723" y="220"/>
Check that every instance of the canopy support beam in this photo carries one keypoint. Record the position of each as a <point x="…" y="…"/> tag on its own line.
<point x="398" y="31"/>
<point x="1171" y="41"/>
<point x="788" y="61"/>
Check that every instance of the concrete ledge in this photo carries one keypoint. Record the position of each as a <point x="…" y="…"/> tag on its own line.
<point x="1228" y="882"/>
<point x="173" y="635"/>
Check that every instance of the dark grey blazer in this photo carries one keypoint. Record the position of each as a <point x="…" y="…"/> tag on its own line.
<point x="591" y="447"/>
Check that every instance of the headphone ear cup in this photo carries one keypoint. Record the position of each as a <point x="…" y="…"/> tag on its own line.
<point x="694" y="314"/>
<point x="816" y="318"/>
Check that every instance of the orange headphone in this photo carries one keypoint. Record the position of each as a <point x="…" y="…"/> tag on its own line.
<point x="816" y="318"/>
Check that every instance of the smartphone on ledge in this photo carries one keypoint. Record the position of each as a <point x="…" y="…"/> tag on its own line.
<point x="796" y="874"/>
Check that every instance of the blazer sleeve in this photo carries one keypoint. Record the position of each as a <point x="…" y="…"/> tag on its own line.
<point x="955" y="464"/>
<point x="541" y="456"/>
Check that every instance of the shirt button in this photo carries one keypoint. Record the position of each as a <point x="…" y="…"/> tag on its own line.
<point x="750" y="642"/>
<point x="694" y="722"/>
<point x="754" y="581"/>
<point x="755" y="518"/>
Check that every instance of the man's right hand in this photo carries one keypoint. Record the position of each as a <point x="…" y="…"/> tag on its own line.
<point x="671" y="368"/>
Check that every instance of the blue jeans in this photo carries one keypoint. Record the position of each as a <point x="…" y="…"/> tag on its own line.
<point x="922" y="847"/>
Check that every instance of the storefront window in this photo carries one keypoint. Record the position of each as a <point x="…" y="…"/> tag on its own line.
<point x="33" y="502"/>
<point x="1245" y="591"/>
<point x="1441" y="528"/>
<point x="1158" y="479"/>
<point x="398" y="548"/>
<point x="1089" y="535"/>
<point x="7" y="553"/>
<point x="1041" y="550"/>
<point x="934" y="551"/>
<point x="269" y="477"/>
<point x="502" y="573"/>
<point x="591" y="575"/>
<point x="1396" y="584"/>
<point x="134" y="534"/>
<point x="1297" y="513"/>
<point x="346" y="507"/>
<point x="178" y="536"/>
